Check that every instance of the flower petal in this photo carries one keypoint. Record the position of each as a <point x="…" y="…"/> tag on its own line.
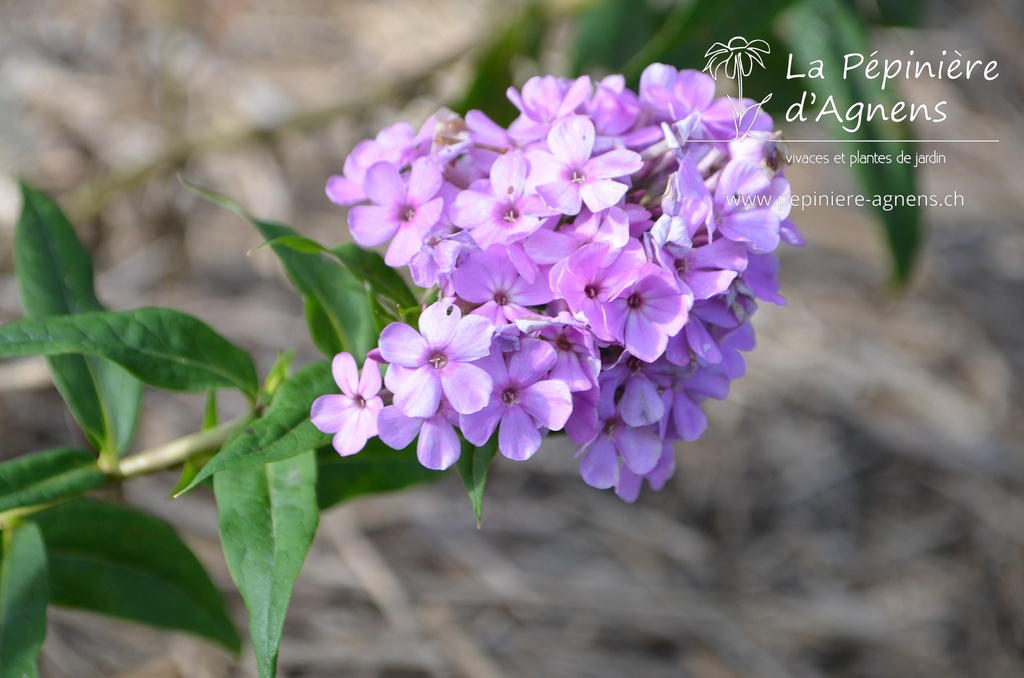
<point x="346" y="374"/>
<point x="401" y="345"/>
<point x="395" y="429"/>
<point x="600" y="464"/>
<point x="471" y="339"/>
<point x="549" y="402"/>
<point x="420" y="393"/>
<point x="467" y="387"/>
<point x="518" y="437"/>
<point x="439" y="446"/>
<point x="371" y="225"/>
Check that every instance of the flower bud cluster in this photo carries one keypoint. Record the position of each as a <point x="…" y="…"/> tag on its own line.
<point x="597" y="262"/>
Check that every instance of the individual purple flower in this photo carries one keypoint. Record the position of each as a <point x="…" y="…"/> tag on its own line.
<point x="522" y="401"/>
<point x="404" y="213"/>
<point x="577" y="363"/>
<point x="438" y="446"/>
<point x="504" y="213"/>
<point x="391" y="145"/>
<point x="489" y="278"/>
<point x="645" y="315"/>
<point x="640" y="385"/>
<point x="437" y="361"/>
<point x="567" y="177"/>
<point x="544" y="101"/>
<point x="639" y="449"/>
<point x="352" y="415"/>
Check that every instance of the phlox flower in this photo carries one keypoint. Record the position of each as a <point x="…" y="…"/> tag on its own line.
<point x="352" y="415"/>
<point x="489" y="278"/>
<point x="568" y="177"/>
<point x="438" y="361"/>
<point x="402" y="214"/>
<point x="522" y="400"/>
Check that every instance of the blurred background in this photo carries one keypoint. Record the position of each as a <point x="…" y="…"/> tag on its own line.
<point x="856" y="506"/>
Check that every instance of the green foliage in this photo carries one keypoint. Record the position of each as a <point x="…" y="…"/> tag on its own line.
<point x="23" y="596"/>
<point x="492" y="71"/>
<point x="472" y="466"/>
<point x="55" y="277"/>
<point x="160" y="346"/>
<point x="377" y="468"/>
<point x="828" y="30"/>
<point x="284" y="431"/>
<point x="48" y="476"/>
<point x="124" y="563"/>
<point x="268" y="517"/>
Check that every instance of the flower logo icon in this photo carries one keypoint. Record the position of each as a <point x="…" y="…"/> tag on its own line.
<point x="738" y="57"/>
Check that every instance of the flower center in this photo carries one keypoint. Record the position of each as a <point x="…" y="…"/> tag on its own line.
<point x="438" y="360"/>
<point x="682" y="267"/>
<point x="511" y="216"/>
<point x="359" y="400"/>
<point x="634" y="301"/>
<point x="500" y="298"/>
<point x="408" y="213"/>
<point x="562" y="343"/>
<point x="590" y="291"/>
<point x="509" y="396"/>
<point x="577" y="177"/>
<point x="609" y="428"/>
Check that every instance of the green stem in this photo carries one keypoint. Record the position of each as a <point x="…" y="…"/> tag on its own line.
<point x="177" y="451"/>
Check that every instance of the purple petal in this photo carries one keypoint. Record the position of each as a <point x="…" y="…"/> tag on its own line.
<point x="549" y="402"/>
<point x="438" y="323"/>
<point x="471" y="339"/>
<point x="472" y="208"/>
<point x="628" y="487"/>
<point x="641" y="403"/>
<point x="518" y="437"/>
<point x="424" y="181"/>
<point x="383" y="185"/>
<point x="402" y="345"/>
<point x="532" y="361"/>
<point x="479" y="426"/>
<point x="581" y="425"/>
<point x="706" y="284"/>
<point x="371" y="225"/>
<point x="331" y="413"/>
<point x="617" y="163"/>
<point x="395" y="429"/>
<point x="420" y="393"/>
<point x="467" y="387"/>
<point x="600" y="194"/>
<point x="643" y="338"/>
<point x="369" y="381"/>
<point x="508" y="175"/>
<point x="439" y="446"/>
<point x="343" y="191"/>
<point x="640" y="448"/>
<point x="742" y="177"/>
<point x="571" y="140"/>
<point x="759" y="227"/>
<point x="562" y="195"/>
<point x="346" y="374"/>
<point x="600" y="464"/>
<point x="689" y="418"/>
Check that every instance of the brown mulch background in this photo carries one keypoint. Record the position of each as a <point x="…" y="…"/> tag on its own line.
<point x="855" y="509"/>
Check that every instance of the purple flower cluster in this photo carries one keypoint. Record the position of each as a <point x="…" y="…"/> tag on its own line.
<point x="597" y="264"/>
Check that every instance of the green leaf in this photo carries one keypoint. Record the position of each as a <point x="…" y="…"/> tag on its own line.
<point x="472" y="467"/>
<point x="124" y="563"/>
<point x="284" y="431"/>
<point x="493" y="70"/>
<point x="160" y="346"/>
<point x="337" y="309"/>
<point x="268" y="517"/>
<point x="55" y="277"/>
<point x="837" y="32"/>
<point x="23" y="598"/>
<point x="47" y="476"/>
<point x="376" y="468"/>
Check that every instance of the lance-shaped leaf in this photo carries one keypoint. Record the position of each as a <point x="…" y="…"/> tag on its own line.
<point x="55" y="277"/>
<point x="124" y="563"/>
<point x="472" y="465"/>
<point x="376" y="468"/>
<point x="284" y="431"/>
<point x="337" y="309"/>
<point x="23" y="597"/>
<point x="47" y="476"/>
<point x="162" y="347"/>
<point x="268" y="517"/>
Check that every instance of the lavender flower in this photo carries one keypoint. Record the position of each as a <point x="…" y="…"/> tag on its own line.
<point x="351" y="416"/>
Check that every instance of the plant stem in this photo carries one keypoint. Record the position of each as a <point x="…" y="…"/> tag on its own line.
<point x="177" y="451"/>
